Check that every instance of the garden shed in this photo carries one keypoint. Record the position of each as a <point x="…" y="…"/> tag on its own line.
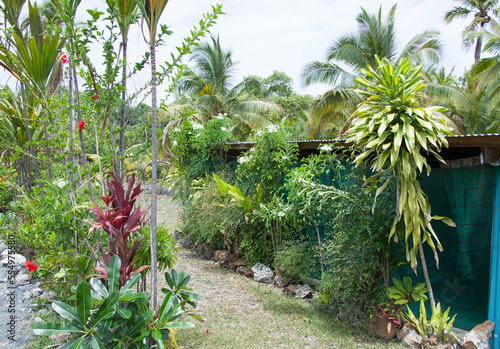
<point x="466" y="189"/>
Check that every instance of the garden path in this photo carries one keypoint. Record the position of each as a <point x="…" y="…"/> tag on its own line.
<point x="241" y="313"/>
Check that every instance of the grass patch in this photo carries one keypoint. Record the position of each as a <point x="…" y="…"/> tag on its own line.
<point x="274" y="320"/>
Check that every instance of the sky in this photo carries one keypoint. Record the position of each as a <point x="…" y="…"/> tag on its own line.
<point x="267" y="35"/>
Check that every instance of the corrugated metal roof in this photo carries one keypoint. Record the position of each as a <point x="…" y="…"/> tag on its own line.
<point x="343" y="139"/>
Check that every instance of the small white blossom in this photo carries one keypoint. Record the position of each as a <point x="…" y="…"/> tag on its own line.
<point x="281" y="214"/>
<point x="189" y="132"/>
<point x="174" y="144"/>
<point x="272" y="128"/>
<point x="284" y="157"/>
<point x="60" y="182"/>
<point x="225" y="114"/>
<point x="325" y="148"/>
<point x="176" y="129"/>
<point x="242" y="159"/>
<point x="219" y="116"/>
<point x="223" y="129"/>
<point x="198" y="127"/>
<point x="259" y="133"/>
<point x="252" y="149"/>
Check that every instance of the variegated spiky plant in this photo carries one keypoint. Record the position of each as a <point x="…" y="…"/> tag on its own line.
<point x="392" y="132"/>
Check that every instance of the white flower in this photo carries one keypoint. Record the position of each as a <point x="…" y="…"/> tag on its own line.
<point x="198" y="127"/>
<point x="223" y="129"/>
<point x="325" y="148"/>
<point x="272" y="128"/>
<point x="174" y="144"/>
<point x="225" y="114"/>
<point x="60" y="182"/>
<point x="189" y="132"/>
<point x="219" y="116"/>
<point x="242" y="159"/>
<point x="176" y="129"/>
<point x="252" y="149"/>
<point x="284" y="157"/>
<point x="281" y="214"/>
<point x="259" y="133"/>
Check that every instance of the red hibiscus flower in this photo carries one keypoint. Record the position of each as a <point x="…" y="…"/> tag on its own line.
<point x="64" y="59"/>
<point x="95" y="97"/>
<point x="81" y="125"/>
<point x="31" y="267"/>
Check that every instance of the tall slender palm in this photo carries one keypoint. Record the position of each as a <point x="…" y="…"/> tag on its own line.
<point x="126" y="14"/>
<point x="208" y="89"/>
<point x="151" y="12"/>
<point x="376" y="36"/>
<point x="481" y="10"/>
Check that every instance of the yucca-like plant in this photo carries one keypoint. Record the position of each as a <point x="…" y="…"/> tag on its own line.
<point x="391" y="131"/>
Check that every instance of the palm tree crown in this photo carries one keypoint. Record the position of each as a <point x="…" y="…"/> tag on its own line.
<point x="376" y="36"/>
<point x="481" y="10"/>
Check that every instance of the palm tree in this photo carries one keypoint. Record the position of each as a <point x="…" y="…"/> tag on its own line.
<point x="126" y="14"/>
<point x="481" y="10"/>
<point x="376" y="36"/>
<point x="208" y="89"/>
<point x="475" y="108"/>
<point x="151" y="12"/>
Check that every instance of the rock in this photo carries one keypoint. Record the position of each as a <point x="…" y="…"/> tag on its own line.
<point x="14" y="259"/>
<point x="182" y="242"/>
<point x="433" y="340"/>
<point x="262" y="273"/>
<point x="479" y="337"/>
<point x="49" y="296"/>
<point x="290" y="289"/>
<point x="22" y="279"/>
<point x="209" y="254"/>
<point x="409" y="336"/>
<point x="3" y="247"/>
<point x="279" y="281"/>
<point x="248" y="272"/>
<point x="239" y="263"/>
<point x="227" y="258"/>
<point x="304" y="291"/>
<point x="37" y="320"/>
<point x="61" y="337"/>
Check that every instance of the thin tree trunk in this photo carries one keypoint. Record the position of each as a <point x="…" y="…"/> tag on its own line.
<point x="70" y="135"/>
<point x="154" y="179"/>
<point x="479" y="46"/>
<point x="47" y="147"/>
<point x="98" y="156"/>
<point x="82" y="141"/>
<point x="32" y="149"/>
<point x="122" y="116"/>
<point x="320" y="249"/>
<point x="426" y="274"/>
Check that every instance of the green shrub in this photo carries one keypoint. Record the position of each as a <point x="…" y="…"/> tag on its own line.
<point x="296" y="260"/>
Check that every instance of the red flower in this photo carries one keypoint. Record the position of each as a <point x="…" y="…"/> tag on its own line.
<point x="81" y="125"/>
<point x="64" y="59"/>
<point x="208" y="331"/>
<point x="95" y="97"/>
<point x="31" y="266"/>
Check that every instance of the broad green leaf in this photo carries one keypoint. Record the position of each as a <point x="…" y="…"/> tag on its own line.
<point x="66" y="312"/>
<point x="83" y="301"/>
<point x="48" y="329"/>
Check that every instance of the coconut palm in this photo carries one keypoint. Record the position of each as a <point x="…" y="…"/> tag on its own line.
<point x="475" y="108"/>
<point x="376" y="36"/>
<point x="481" y="10"/>
<point x="208" y="89"/>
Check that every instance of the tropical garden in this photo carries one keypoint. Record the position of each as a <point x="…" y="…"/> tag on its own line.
<point x="78" y="145"/>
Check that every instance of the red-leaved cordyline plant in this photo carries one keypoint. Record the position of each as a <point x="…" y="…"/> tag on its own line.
<point x="119" y="220"/>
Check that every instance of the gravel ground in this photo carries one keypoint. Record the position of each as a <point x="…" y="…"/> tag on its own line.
<point x="15" y="310"/>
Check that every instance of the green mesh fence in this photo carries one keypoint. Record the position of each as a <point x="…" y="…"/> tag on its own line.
<point x="462" y="280"/>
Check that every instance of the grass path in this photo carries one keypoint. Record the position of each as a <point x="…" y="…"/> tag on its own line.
<point x="241" y="313"/>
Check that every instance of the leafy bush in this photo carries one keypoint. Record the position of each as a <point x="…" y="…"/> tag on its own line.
<point x="110" y="316"/>
<point x="358" y="258"/>
<point x="296" y="260"/>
